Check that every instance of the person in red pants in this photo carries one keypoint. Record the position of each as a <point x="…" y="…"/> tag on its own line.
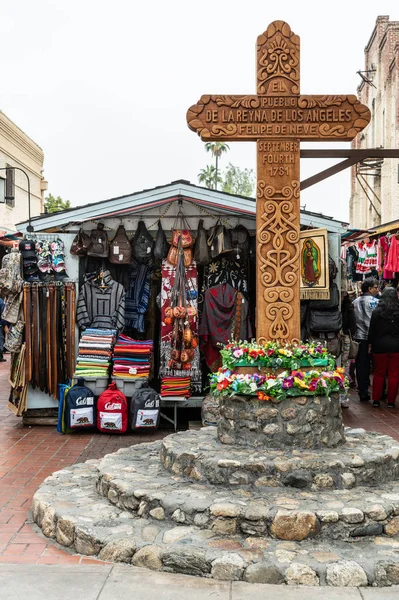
<point x="383" y="338"/>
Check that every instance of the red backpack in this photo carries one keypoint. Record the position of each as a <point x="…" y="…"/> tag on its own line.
<point x="112" y="412"/>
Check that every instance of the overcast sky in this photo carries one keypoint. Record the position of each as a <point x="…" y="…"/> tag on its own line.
<point x="103" y="87"/>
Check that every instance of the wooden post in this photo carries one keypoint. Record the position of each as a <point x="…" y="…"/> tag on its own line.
<point x="277" y="118"/>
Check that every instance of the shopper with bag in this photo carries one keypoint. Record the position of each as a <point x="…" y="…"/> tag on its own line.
<point x="363" y="307"/>
<point x="383" y="339"/>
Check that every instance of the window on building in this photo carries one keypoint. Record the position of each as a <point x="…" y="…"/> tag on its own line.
<point x="10" y="186"/>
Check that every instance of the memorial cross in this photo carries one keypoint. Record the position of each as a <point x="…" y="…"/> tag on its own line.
<point x="278" y="118"/>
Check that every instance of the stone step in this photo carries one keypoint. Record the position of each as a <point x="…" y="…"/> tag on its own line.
<point x="366" y="459"/>
<point x="133" y="480"/>
<point x="68" y="509"/>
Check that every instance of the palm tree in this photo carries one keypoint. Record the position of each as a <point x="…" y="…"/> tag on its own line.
<point x="209" y="177"/>
<point x="217" y="149"/>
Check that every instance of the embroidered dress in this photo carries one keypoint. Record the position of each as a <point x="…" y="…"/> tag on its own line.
<point x="370" y="261"/>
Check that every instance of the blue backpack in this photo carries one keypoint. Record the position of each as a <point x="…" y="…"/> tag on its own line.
<point x="80" y="408"/>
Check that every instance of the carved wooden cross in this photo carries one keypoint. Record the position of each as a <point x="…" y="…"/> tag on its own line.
<point x="277" y="118"/>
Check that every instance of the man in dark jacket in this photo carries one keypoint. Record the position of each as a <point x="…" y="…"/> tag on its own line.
<point x="363" y="307"/>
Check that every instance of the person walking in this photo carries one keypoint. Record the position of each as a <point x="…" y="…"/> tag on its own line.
<point x="363" y="307"/>
<point x="383" y="339"/>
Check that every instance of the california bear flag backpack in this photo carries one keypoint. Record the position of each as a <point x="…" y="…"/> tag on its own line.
<point x="145" y="409"/>
<point x="112" y="414"/>
<point x="80" y="409"/>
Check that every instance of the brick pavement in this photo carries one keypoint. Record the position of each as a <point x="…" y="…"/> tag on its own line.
<point x="29" y="454"/>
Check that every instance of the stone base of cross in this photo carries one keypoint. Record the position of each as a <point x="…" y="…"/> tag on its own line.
<point x="277" y="119"/>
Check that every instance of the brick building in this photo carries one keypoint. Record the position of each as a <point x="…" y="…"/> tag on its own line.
<point x="375" y="186"/>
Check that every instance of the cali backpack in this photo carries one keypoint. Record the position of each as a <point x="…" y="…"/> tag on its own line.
<point x="80" y="408"/>
<point x="145" y="409"/>
<point x="112" y="413"/>
<point x="120" y="250"/>
<point x="99" y="242"/>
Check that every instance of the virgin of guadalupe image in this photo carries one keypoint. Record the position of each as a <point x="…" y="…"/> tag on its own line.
<point x="311" y="260"/>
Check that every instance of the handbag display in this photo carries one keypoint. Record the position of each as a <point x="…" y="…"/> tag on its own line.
<point x="99" y="245"/>
<point x="182" y="241"/>
<point x="142" y="244"/>
<point x="81" y="243"/>
<point x="120" y="249"/>
<point x="219" y="240"/>
<point x="161" y="247"/>
<point x="201" y="249"/>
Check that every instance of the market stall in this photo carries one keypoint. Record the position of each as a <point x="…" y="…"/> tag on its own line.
<point x="172" y="267"/>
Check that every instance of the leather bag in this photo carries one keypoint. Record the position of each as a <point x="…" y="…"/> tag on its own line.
<point x="240" y="243"/>
<point x="81" y="243"/>
<point x="99" y="246"/>
<point x="161" y="247"/>
<point x="120" y="249"/>
<point x="219" y="240"/>
<point x="201" y="248"/>
<point x="142" y="244"/>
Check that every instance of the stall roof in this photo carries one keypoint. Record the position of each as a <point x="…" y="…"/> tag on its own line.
<point x="157" y="198"/>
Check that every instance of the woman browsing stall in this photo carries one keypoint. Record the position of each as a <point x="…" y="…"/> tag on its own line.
<point x="383" y="338"/>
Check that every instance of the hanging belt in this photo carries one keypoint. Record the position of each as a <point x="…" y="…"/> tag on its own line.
<point x="43" y="349"/>
<point x="28" y="332"/>
<point x="54" y="352"/>
<point x="73" y="327"/>
<point x="48" y="339"/>
<point x="35" y="337"/>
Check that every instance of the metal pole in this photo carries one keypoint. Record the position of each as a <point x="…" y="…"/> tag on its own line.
<point x="30" y="227"/>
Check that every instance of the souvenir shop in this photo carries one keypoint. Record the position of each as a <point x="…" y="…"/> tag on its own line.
<point x="371" y="253"/>
<point x="138" y="290"/>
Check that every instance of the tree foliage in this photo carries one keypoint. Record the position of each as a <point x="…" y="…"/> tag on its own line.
<point x="238" y="181"/>
<point x="54" y="204"/>
<point x="217" y="149"/>
<point x="209" y="177"/>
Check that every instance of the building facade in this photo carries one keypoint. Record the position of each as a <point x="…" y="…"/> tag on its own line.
<point x="18" y="150"/>
<point x="375" y="185"/>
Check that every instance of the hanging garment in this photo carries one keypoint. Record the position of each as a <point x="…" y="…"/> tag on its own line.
<point x="384" y="245"/>
<point x="223" y="270"/>
<point x="370" y="261"/>
<point x="168" y="279"/>
<point x="138" y="294"/>
<point x="351" y="261"/>
<point x="224" y="316"/>
<point x="101" y="306"/>
<point x="361" y="268"/>
<point x="393" y="256"/>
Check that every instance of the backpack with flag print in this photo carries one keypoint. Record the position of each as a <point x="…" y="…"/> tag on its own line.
<point x="145" y="409"/>
<point x="80" y="408"/>
<point x="112" y="412"/>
